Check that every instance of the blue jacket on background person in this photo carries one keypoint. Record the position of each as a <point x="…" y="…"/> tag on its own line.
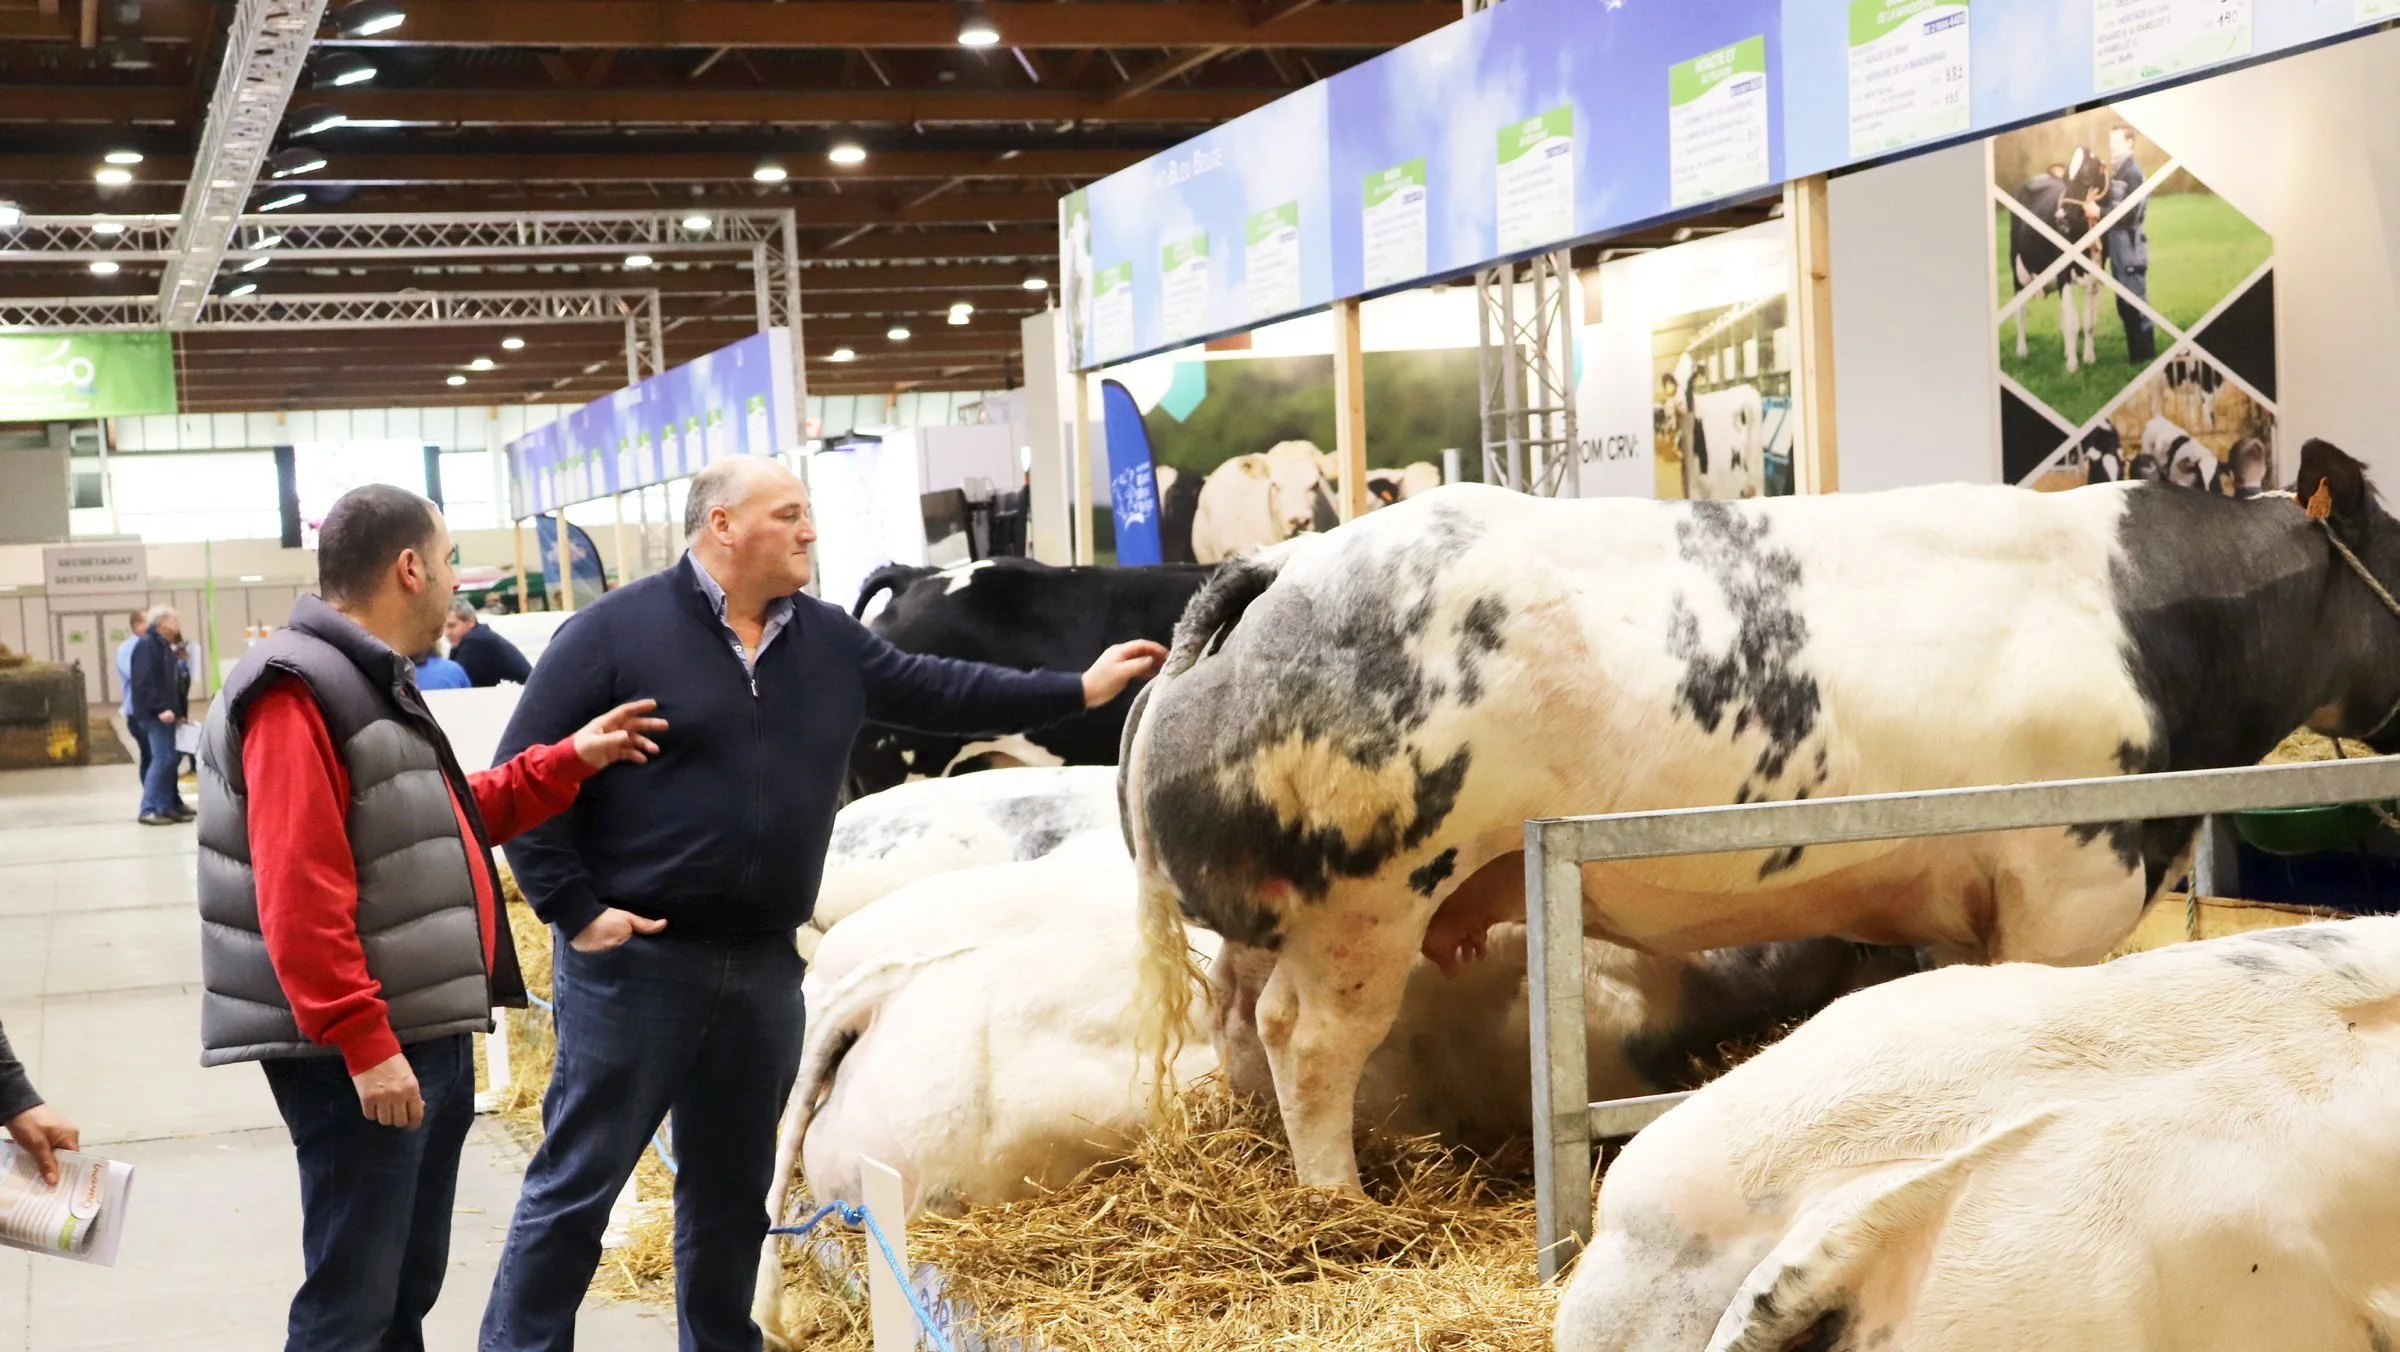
<point x="435" y="672"/>
<point x="723" y="833"/>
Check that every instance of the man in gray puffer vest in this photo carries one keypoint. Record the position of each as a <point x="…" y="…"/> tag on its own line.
<point x="351" y="934"/>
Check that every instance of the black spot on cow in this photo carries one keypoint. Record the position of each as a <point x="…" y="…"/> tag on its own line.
<point x="1741" y="997"/>
<point x="2123" y="837"/>
<point x="2323" y="940"/>
<point x="1478" y="634"/>
<point x="1037" y="825"/>
<point x="1435" y="871"/>
<point x="1824" y="1334"/>
<point x="1327" y="667"/>
<point x="1757" y="682"/>
<point x="2378" y="1340"/>
<point x="877" y="837"/>
<point x="1881" y="1337"/>
<point x="2257" y="961"/>
<point x="1780" y="861"/>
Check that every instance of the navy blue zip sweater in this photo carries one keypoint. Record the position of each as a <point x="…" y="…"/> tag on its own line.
<point x="723" y="833"/>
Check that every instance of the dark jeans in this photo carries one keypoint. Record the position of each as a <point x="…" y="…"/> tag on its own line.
<point x="158" y="772"/>
<point x="374" y="1200"/>
<point x="711" y="1031"/>
<point x="141" y="744"/>
<point x="2141" y="336"/>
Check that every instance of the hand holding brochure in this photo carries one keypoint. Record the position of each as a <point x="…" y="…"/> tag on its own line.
<point x="81" y="1217"/>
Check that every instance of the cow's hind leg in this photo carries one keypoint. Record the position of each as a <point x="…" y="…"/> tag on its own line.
<point x="1336" y="989"/>
<point x="2091" y="321"/>
<point x="2068" y="315"/>
<point x="2023" y="277"/>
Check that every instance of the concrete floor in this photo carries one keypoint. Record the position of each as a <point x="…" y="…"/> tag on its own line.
<point x="100" y="993"/>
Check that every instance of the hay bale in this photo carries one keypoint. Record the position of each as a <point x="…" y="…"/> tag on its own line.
<point x="1200" y="1239"/>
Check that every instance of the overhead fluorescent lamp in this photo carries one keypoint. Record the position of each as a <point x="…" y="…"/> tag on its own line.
<point x="847" y="152"/>
<point x="975" y="25"/>
<point x="340" y="70"/>
<point x="369" y="17"/>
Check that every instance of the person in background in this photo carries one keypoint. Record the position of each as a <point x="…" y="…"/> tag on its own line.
<point x="161" y="697"/>
<point x="136" y="625"/>
<point x="352" y="938"/>
<point x="187" y="656"/>
<point x="436" y="672"/>
<point x="488" y="658"/>
<point x="673" y="889"/>
<point x="2128" y="246"/>
<point x="35" y="1126"/>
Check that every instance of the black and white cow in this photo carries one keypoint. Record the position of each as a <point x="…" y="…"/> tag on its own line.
<point x="2058" y="200"/>
<point x="1339" y="757"/>
<point x="1016" y="613"/>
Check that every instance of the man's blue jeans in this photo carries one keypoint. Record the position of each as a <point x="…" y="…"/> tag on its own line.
<point x="713" y="1032"/>
<point x="159" y="795"/>
<point x="374" y="1200"/>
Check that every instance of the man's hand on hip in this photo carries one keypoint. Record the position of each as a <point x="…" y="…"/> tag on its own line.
<point x="619" y="735"/>
<point x="387" y="1094"/>
<point x="1119" y="667"/>
<point x="612" y="928"/>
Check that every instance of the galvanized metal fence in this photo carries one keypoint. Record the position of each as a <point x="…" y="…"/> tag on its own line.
<point x="1566" y="1123"/>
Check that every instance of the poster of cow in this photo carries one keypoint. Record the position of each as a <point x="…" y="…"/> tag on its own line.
<point x="1687" y="357"/>
<point x="1242" y="446"/>
<point x="2134" y="314"/>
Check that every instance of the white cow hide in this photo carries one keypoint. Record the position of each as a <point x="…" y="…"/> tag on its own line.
<point x="2190" y="1149"/>
<point x="1256" y="500"/>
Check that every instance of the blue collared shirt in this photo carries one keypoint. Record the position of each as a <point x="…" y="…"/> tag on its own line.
<point x="779" y="614"/>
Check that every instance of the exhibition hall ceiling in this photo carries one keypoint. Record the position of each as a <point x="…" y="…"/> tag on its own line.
<point x="923" y="171"/>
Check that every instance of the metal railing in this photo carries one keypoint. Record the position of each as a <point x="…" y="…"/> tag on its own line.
<point x="1566" y="1123"/>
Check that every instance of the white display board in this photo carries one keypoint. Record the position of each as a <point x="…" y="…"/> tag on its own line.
<point x="474" y="720"/>
<point x="867" y="498"/>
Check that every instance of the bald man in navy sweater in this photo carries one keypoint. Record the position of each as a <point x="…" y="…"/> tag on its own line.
<point x="673" y="890"/>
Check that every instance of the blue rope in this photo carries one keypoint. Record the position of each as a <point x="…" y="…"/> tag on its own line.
<point x="859" y="1216"/>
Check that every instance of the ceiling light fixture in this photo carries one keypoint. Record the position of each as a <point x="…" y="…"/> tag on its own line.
<point x="455" y="379"/>
<point x="11" y="215"/>
<point x="847" y="152"/>
<point x="123" y="157"/>
<point x="958" y="317"/>
<point x="962" y="307"/>
<point x="343" y="69"/>
<point x="108" y="227"/>
<point x="898" y="333"/>
<point x="254" y="265"/>
<point x="316" y="118"/>
<point x="769" y="172"/>
<point x="240" y="291"/>
<point x="369" y="17"/>
<point x="268" y="241"/>
<point x="975" y="25"/>
<point x="1035" y="281"/>
<point x="104" y="267"/>
<point x="512" y="343"/>
<point x="635" y="262"/>
<point x="292" y="199"/>
<point x="296" y="160"/>
<point x="254" y="577"/>
<point x="112" y="176"/>
<point x="480" y="364"/>
<point x="841" y="354"/>
<point x="698" y="222"/>
<point x="127" y="52"/>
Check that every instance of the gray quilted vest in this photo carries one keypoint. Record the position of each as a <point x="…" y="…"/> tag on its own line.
<point x="416" y="898"/>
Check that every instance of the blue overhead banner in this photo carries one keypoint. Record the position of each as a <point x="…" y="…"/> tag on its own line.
<point x="1132" y="483"/>
<point x="737" y="400"/>
<point x="1536" y="123"/>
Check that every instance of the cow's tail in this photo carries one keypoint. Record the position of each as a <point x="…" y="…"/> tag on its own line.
<point x="892" y="577"/>
<point x="1219" y="603"/>
<point x="1166" y="978"/>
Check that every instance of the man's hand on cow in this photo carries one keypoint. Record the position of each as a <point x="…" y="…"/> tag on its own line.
<point x="388" y="1094"/>
<point x="611" y="928"/>
<point x="41" y="1131"/>
<point x="1119" y="667"/>
<point x="618" y="735"/>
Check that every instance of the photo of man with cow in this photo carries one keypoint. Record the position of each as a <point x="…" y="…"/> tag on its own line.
<point x="2133" y="312"/>
<point x="1722" y="425"/>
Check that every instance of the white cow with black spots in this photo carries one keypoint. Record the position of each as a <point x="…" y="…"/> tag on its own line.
<point x="1354" y="728"/>
<point x="887" y="840"/>
<point x="2190" y="1150"/>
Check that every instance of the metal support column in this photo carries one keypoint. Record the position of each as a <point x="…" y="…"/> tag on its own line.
<point x="1526" y="376"/>
<point x="1562" y="1167"/>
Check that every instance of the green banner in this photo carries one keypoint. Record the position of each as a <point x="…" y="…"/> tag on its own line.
<point x="1518" y="137"/>
<point x="1263" y="225"/>
<point x="58" y="377"/>
<point x="1181" y="251"/>
<point x="1871" y="19"/>
<point x="1688" y="80"/>
<point x="1391" y="182"/>
<point x="1110" y="278"/>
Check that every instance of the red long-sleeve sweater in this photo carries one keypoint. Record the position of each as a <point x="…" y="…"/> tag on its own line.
<point x="308" y="886"/>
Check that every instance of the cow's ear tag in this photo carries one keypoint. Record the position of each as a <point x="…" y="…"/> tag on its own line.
<point x="2320" y="503"/>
